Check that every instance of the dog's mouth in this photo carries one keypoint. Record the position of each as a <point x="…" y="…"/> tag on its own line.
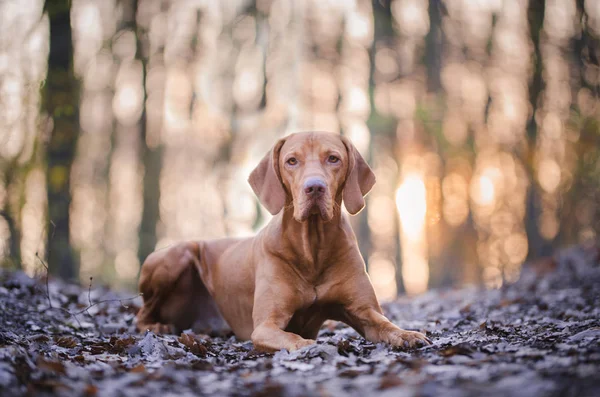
<point x="317" y="207"/>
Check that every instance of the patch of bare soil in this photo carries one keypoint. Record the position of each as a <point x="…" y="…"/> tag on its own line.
<point x="537" y="337"/>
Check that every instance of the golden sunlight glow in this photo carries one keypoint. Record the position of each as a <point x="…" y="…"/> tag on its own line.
<point x="483" y="190"/>
<point x="549" y="175"/>
<point x="411" y="16"/>
<point x="3" y="193"/>
<point x="411" y="201"/>
<point x="415" y="273"/>
<point x="180" y="99"/>
<point x="456" y="203"/>
<point x="383" y="276"/>
<point x="359" y="134"/>
<point x="127" y="265"/>
<point x="548" y="225"/>
<point x="34" y="220"/>
<point x="4" y="236"/>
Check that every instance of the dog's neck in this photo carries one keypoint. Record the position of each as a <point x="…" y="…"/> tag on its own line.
<point x="311" y="242"/>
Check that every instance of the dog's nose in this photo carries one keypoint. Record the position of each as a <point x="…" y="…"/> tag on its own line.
<point x="314" y="187"/>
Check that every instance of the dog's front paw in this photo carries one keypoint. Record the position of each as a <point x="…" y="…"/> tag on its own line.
<point x="407" y="339"/>
<point x="270" y="341"/>
<point x="300" y="343"/>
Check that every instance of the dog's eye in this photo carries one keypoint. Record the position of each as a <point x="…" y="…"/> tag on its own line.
<point x="333" y="159"/>
<point x="292" y="161"/>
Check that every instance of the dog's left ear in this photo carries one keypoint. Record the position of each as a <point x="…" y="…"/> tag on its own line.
<point x="359" y="179"/>
<point x="265" y="180"/>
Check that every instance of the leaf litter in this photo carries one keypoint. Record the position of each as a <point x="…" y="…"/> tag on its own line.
<point x="539" y="336"/>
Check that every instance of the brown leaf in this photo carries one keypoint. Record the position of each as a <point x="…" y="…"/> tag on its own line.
<point x="186" y="340"/>
<point x="52" y="385"/>
<point x="415" y="364"/>
<point x="350" y="373"/>
<point x="66" y="342"/>
<point x="129" y="308"/>
<point x="461" y="349"/>
<point x="90" y="390"/>
<point x="270" y="388"/>
<point x="138" y="369"/>
<point x="50" y="366"/>
<point x="508" y="302"/>
<point x="119" y="345"/>
<point x="193" y="345"/>
<point x="41" y="338"/>
<point x="344" y="347"/>
<point x="390" y="380"/>
<point x="97" y="349"/>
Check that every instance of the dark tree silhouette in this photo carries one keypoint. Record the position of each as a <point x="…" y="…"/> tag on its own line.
<point x="151" y="156"/>
<point x="433" y="46"/>
<point x="537" y="245"/>
<point x="60" y="98"/>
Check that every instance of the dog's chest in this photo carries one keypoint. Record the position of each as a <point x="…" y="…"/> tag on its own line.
<point x="317" y="306"/>
<point x="308" y="320"/>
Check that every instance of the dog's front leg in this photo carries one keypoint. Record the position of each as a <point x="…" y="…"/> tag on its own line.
<point x="269" y="337"/>
<point x="274" y="306"/>
<point x="377" y="328"/>
<point x="363" y="313"/>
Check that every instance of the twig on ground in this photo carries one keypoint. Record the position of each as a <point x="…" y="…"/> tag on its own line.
<point x="44" y="263"/>
<point x="90" y="303"/>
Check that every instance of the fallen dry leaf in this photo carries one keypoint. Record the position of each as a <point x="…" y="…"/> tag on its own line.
<point x="535" y="337"/>
<point x="66" y="341"/>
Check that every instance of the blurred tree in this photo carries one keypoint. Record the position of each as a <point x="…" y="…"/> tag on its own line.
<point x="433" y="46"/>
<point x="436" y="75"/>
<point x="9" y="178"/>
<point x="382" y="127"/>
<point x="580" y="216"/>
<point x="14" y="253"/>
<point x="60" y="100"/>
<point x="151" y="154"/>
<point x="537" y="245"/>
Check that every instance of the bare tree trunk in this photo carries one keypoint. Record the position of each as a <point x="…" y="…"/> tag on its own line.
<point x="61" y="104"/>
<point x="14" y="253"/>
<point x="151" y="158"/>
<point x="537" y="246"/>
<point x="10" y="214"/>
<point x="433" y="46"/>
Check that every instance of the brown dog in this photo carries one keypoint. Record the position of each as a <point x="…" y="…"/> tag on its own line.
<point x="304" y="267"/>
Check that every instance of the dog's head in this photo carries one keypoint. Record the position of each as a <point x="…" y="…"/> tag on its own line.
<point x="312" y="171"/>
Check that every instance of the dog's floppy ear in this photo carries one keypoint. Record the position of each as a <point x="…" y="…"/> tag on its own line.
<point x="266" y="180"/>
<point x="359" y="179"/>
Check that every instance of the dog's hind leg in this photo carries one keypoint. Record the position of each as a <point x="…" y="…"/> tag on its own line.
<point x="175" y="297"/>
<point x="158" y="277"/>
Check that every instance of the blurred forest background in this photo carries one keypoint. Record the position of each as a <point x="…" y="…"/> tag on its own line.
<point x="126" y="125"/>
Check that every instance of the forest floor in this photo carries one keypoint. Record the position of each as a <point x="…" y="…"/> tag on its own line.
<point x="539" y="336"/>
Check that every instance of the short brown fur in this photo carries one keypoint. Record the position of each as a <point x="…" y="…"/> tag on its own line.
<point x="302" y="268"/>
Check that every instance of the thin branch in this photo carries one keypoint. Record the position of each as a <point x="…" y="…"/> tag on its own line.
<point x="62" y="309"/>
<point x="47" y="277"/>
<point x="46" y="265"/>
<point x="90" y="303"/>
<point x="110" y="300"/>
